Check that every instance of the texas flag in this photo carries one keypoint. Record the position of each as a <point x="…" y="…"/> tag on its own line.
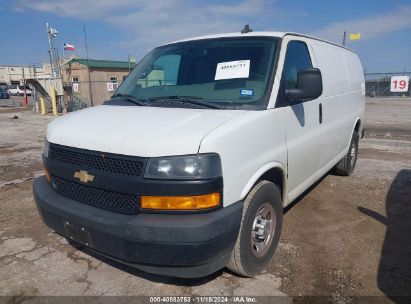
<point x="68" y="47"/>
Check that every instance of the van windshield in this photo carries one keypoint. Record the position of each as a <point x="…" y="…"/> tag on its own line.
<point x="210" y="73"/>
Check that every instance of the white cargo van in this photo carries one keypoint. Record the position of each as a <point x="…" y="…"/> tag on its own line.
<point x="188" y="167"/>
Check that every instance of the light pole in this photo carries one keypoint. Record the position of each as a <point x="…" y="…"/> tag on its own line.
<point x="54" y="60"/>
<point x="90" y="87"/>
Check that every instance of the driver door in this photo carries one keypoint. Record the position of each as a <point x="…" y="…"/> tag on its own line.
<point x="301" y="123"/>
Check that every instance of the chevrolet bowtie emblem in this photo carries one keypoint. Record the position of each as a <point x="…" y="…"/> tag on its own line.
<point x="84" y="176"/>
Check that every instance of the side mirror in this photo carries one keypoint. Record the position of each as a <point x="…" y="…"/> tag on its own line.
<point x="309" y="86"/>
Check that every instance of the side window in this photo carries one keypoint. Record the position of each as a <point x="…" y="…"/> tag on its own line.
<point x="163" y="72"/>
<point x="297" y="59"/>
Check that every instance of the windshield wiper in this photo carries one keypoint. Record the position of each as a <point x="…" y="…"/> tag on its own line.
<point x="131" y="99"/>
<point x="187" y="99"/>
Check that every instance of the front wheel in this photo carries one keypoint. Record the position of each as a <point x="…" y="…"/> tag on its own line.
<point x="346" y="165"/>
<point x="259" y="231"/>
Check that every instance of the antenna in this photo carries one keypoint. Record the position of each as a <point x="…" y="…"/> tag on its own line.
<point x="246" y="29"/>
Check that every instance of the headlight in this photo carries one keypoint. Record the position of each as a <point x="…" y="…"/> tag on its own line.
<point x="184" y="167"/>
<point x="46" y="148"/>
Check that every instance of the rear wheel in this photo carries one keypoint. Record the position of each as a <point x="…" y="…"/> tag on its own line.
<point x="346" y="166"/>
<point x="260" y="230"/>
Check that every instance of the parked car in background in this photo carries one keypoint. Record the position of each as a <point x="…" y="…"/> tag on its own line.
<point x="4" y="94"/>
<point x="13" y="89"/>
<point x="17" y="90"/>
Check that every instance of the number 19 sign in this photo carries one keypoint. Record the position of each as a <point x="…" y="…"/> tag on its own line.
<point x="399" y="83"/>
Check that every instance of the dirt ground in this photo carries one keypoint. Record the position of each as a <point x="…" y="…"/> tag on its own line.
<point x="347" y="238"/>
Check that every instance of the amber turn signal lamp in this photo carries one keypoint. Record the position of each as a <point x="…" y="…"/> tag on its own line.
<point x="195" y="202"/>
<point x="47" y="174"/>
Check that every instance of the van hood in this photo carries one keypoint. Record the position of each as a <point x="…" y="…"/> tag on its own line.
<point x="137" y="131"/>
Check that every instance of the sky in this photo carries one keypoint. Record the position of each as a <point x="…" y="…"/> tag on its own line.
<point x="119" y="28"/>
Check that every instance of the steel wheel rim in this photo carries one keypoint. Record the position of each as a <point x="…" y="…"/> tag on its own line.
<point x="263" y="229"/>
<point x="353" y="154"/>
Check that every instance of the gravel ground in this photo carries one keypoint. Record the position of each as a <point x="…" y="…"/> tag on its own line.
<point x="347" y="238"/>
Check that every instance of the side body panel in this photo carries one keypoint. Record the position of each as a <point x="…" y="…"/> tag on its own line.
<point x="252" y="143"/>
<point x="315" y="146"/>
<point x="342" y="100"/>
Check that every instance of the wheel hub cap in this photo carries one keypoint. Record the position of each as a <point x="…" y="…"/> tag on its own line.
<point x="263" y="229"/>
<point x="353" y="155"/>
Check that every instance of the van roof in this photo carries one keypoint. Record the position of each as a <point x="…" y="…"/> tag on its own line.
<point x="259" y="34"/>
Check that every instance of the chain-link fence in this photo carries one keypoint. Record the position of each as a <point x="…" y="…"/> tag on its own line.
<point x="379" y="84"/>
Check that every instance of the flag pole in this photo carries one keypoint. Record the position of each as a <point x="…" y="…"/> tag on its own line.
<point x="344" y="37"/>
<point x="64" y="54"/>
<point x="88" y="68"/>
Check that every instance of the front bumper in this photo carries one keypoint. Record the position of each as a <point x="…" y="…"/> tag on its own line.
<point x="180" y="245"/>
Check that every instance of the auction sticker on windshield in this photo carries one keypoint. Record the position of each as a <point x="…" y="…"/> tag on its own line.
<point x="232" y="69"/>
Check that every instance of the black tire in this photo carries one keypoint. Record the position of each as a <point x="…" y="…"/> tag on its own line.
<point x="244" y="257"/>
<point x="346" y="166"/>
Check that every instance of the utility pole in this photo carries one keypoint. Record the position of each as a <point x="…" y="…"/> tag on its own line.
<point x="54" y="58"/>
<point x="344" y="37"/>
<point x="88" y="67"/>
<point x="34" y="93"/>
<point x="24" y="85"/>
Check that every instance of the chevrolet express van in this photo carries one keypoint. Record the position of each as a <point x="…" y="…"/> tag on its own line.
<point x="187" y="168"/>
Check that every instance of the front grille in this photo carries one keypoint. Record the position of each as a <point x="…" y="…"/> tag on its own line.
<point x="105" y="199"/>
<point x="99" y="161"/>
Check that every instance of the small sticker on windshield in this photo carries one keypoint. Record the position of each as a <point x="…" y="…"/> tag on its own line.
<point x="232" y="69"/>
<point x="247" y="92"/>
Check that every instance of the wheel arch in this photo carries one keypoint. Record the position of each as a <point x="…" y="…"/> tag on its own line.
<point x="358" y="125"/>
<point x="273" y="172"/>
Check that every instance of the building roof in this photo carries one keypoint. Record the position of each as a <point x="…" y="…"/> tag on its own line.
<point x="107" y="64"/>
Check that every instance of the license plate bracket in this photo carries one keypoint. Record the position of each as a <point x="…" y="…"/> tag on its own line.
<point x="77" y="233"/>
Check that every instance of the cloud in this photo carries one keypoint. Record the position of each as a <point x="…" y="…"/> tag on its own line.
<point x="245" y="8"/>
<point x="96" y="9"/>
<point x="80" y="9"/>
<point x="187" y="19"/>
<point x="148" y="23"/>
<point x="370" y="27"/>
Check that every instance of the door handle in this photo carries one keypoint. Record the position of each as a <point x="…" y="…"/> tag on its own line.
<point x="320" y="109"/>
